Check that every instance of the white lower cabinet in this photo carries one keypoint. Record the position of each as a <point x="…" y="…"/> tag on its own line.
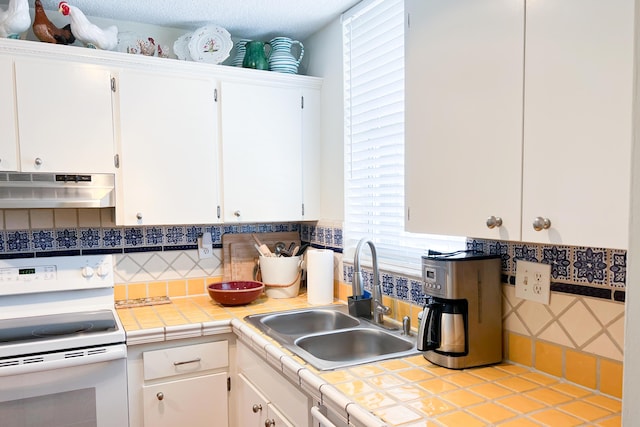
<point x="254" y="409"/>
<point x="196" y="402"/>
<point x="277" y="401"/>
<point x="179" y="383"/>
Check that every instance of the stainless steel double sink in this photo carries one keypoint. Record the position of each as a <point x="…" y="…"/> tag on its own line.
<point x="329" y="338"/>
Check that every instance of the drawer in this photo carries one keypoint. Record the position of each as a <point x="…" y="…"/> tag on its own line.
<point x="185" y="360"/>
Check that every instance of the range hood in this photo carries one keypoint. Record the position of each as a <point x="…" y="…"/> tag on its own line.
<point x="56" y="190"/>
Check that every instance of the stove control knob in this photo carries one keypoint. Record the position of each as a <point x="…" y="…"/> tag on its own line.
<point x="87" y="272"/>
<point x="103" y="270"/>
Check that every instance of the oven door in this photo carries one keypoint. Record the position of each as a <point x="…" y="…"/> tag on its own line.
<point x="79" y="388"/>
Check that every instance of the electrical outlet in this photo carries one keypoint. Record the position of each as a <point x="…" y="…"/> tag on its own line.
<point x="533" y="281"/>
<point x="205" y="248"/>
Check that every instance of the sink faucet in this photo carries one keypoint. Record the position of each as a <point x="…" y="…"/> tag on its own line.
<point x="378" y="309"/>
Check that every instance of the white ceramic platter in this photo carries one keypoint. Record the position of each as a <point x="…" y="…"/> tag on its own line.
<point x="130" y="42"/>
<point x="210" y="44"/>
<point x="181" y="47"/>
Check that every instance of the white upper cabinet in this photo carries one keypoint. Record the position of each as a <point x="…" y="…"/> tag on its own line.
<point x="311" y="155"/>
<point x="8" y="124"/>
<point x="65" y="118"/>
<point x="552" y="147"/>
<point x="169" y="153"/>
<point x="464" y="116"/>
<point x="189" y="143"/>
<point x="578" y="121"/>
<point x="261" y="152"/>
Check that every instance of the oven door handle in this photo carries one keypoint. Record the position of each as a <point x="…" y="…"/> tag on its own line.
<point x="73" y="359"/>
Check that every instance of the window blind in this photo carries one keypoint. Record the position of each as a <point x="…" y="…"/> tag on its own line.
<point x="373" y="48"/>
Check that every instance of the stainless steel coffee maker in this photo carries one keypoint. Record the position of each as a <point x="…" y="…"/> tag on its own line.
<point x="461" y="324"/>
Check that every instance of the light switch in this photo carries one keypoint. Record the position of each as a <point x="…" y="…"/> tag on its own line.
<point x="533" y="281"/>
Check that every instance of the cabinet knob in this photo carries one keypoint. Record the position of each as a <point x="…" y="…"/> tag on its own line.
<point x="236" y="214"/>
<point x="494" y="221"/>
<point x="139" y="215"/>
<point x="540" y="223"/>
<point x="160" y="395"/>
<point x="38" y="161"/>
<point x="256" y="408"/>
<point x="270" y="423"/>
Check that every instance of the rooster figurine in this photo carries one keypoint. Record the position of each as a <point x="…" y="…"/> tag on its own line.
<point x="15" y="19"/>
<point x="45" y="31"/>
<point x="90" y="34"/>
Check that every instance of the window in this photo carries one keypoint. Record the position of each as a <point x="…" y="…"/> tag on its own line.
<point x="373" y="48"/>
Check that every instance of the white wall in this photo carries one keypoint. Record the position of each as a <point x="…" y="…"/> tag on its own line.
<point x="324" y="50"/>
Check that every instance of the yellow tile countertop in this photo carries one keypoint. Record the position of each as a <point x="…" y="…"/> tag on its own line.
<point x="406" y="392"/>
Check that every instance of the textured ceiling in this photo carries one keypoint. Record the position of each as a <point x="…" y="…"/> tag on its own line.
<point x="255" y="19"/>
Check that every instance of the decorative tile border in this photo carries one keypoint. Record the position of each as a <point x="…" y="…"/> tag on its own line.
<point x="577" y="270"/>
<point x="593" y="272"/>
<point x="400" y="287"/>
<point x="323" y="235"/>
<point x="117" y="240"/>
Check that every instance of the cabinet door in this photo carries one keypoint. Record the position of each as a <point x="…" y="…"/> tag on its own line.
<point x="8" y="136"/>
<point x="311" y="155"/>
<point x="254" y="409"/>
<point x="262" y="153"/>
<point x="464" y="116"/>
<point x="168" y="149"/>
<point x="275" y="418"/>
<point x="194" y="402"/>
<point x="578" y="122"/>
<point x="251" y="405"/>
<point x="65" y="117"/>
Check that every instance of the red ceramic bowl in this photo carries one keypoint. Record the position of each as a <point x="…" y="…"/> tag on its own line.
<point x="235" y="292"/>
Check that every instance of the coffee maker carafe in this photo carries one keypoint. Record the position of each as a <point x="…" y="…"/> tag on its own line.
<point x="444" y="327"/>
<point x="461" y="324"/>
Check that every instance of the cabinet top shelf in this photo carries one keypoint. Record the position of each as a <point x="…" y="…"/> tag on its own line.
<point x="110" y="59"/>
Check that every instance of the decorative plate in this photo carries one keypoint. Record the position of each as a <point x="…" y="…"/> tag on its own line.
<point x="129" y="42"/>
<point x="181" y="47"/>
<point x="210" y="44"/>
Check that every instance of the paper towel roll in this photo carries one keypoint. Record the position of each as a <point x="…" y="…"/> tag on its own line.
<point x="319" y="276"/>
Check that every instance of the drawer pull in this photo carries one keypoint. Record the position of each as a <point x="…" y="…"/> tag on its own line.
<point x="187" y="361"/>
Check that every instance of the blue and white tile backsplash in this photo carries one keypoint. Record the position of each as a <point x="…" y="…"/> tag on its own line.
<point x="577" y="270"/>
<point x="113" y="240"/>
<point x="595" y="272"/>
